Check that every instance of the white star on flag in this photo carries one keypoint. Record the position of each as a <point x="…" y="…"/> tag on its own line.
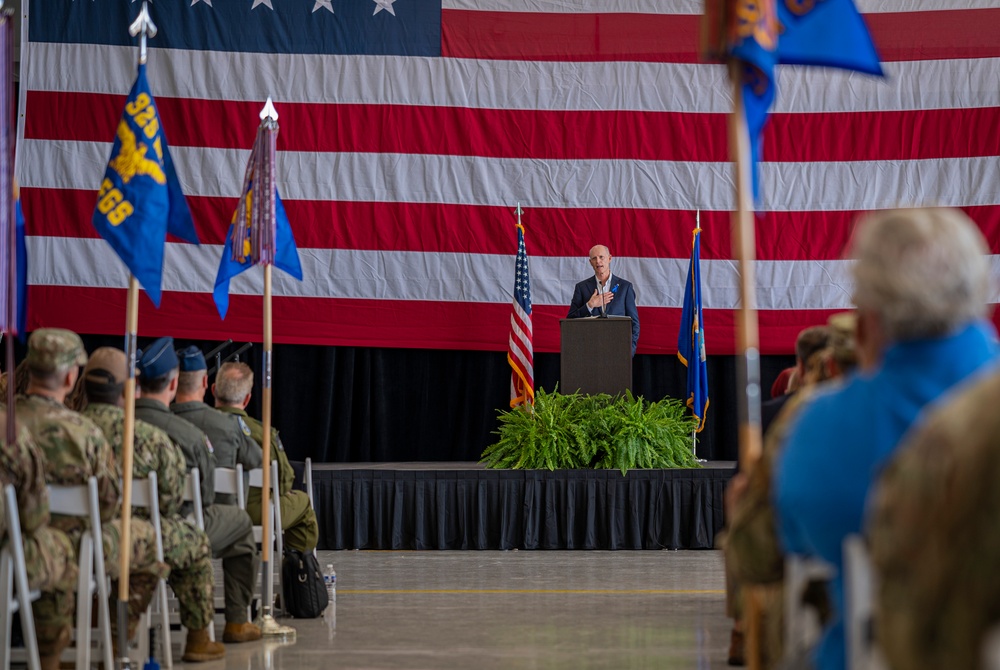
<point x="323" y="4"/>
<point x="195" y="2"/>
<point x="262" y="2"/>
<point x="384" y="4"/>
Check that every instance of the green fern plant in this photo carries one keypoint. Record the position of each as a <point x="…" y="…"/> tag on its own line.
<point x="598" y="431"/>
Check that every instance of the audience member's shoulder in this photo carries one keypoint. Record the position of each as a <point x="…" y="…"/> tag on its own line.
<point x="963" y="425"/>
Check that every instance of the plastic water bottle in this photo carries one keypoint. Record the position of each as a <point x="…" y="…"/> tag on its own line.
<point x="330" y="579"/>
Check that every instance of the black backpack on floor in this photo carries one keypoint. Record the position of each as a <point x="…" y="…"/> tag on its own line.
<point x="304" y="591"/>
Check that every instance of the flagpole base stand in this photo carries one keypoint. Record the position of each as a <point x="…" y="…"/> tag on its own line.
<point x="272" y="629"/>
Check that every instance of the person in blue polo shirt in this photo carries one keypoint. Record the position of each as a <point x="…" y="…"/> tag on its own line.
<point x="921" y="285"/>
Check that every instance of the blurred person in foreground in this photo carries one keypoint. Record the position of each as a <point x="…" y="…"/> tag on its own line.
<point x="934" y="531"/>
<point x="753" y="555"/>
<point x="921" y="282"/>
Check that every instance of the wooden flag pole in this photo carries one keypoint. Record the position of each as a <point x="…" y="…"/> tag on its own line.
<point x="747" y="334"/>
<point x="143" y="27"/>
<point x="265" y="510"/>
<point x="265" y="181"/>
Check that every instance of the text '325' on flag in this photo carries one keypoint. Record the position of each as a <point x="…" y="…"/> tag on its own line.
<point x="691" y="339"/>
<point x="761" y="34"/>
<point x="520" y="353"/>
<point x="140" y="198"/>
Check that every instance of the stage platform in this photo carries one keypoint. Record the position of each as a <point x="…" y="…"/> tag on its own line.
<point x="466" y="506"/>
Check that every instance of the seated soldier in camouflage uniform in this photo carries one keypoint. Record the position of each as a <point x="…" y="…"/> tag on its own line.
<point x="186" y="549"/>
<point x="74" y="449"/>
<point x="229" y="529"/>
<point x="48" y="552"/>
<point x="934" y="531"/>
<point x="232" y="388"/>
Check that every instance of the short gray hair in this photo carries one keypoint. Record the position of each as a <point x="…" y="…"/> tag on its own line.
<point x="924" y="271"/>
<point x="233" y="382"/>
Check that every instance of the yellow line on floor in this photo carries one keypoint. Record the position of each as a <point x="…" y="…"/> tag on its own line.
<point x="540" y="591"/>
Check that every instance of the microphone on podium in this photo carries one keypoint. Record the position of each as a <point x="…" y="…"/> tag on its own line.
<point x="600" y="292"/>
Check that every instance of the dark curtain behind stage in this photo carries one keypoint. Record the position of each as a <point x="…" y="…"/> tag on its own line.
<point x="354" y="404"/>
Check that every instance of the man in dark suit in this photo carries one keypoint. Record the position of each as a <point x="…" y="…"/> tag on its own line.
<point x="616" y="296"/>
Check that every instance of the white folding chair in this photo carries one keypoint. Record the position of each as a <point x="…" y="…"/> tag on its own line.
<point x="859" y="607"/>
<point x="256" y="480"/>
<point x="81" y="501"/>
<point x="192" y="494"/>
<point x="229" y="480"/>
<point x="145" y="495"/>
<point x="13" y="572"/>
<point x="802" y="624"/>
<point x="308" y="477"/>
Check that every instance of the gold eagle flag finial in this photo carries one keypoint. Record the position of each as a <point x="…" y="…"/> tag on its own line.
<point x="131" y="159"/>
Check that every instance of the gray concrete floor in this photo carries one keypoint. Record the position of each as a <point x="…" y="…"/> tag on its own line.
<point x="512" y="609"/>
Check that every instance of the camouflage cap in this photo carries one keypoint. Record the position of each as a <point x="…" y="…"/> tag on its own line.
<point x="106" y="366"/>
<point x="52" y="348"/>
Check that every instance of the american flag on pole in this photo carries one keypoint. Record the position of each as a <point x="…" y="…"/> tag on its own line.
<point x="519" y="350"/>
<point x="411" y="125"/>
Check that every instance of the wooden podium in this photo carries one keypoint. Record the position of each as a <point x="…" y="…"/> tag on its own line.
<point x="596" y="355"/>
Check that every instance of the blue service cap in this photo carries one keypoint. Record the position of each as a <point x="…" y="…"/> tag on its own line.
<point x="191" y="359"/>
<point x="158" y="358"/>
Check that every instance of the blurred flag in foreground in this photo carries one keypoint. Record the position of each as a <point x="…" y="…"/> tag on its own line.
<point x="759" y="34"/>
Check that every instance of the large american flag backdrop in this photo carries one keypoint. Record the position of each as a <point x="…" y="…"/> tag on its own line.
<point x="411" y="128"/>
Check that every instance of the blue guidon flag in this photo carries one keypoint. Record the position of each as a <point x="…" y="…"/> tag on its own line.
<point x="520" y="353"/>
<point x="691" y="339"/>
<point x="140" y="199"/>
<point x="764" y="33"/>
<point x="286" y="253"/>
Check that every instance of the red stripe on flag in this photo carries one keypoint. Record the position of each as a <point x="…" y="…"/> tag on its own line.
<point x="673" y="136"/>
<point x="382" y="323"/>
<point x="900" y="36"/>
<point x="569" y="37"/>
<point x="796" y="236"/>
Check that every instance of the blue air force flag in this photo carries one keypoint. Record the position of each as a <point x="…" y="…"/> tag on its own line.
<point x="691" y="338"/>
<point x="286" y="254"/>
<point x="140" y="198"/>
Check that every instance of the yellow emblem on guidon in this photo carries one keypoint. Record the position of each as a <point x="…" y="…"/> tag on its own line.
<point x="131" y="159"/>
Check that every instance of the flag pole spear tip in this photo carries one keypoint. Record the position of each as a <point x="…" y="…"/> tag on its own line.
<point x="144" y="27"/>
<point x="269" y="112"/>
<point x="143" y="23"/>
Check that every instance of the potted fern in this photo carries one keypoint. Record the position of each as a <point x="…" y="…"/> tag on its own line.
<point x="565" y="432"/>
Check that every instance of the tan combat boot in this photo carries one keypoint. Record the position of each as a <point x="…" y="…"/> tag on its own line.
<point x="240" y="632"/>
<point x="200" y="648"/>
<point x="49" y="653"/>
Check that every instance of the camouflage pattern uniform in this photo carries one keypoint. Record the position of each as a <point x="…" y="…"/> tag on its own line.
<point x="298" y="519"/>
<point x="74" y="450"/>
<point x="229" y="529"/>
<point x="753" y="554"/>
<point x="186" y="549"/>
<point x="230" y="438"/>
<point x="935" y="536"/>
<point x="48" y="552"/>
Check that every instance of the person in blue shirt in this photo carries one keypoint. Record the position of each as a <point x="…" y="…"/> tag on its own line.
<point x="921" y="285"/>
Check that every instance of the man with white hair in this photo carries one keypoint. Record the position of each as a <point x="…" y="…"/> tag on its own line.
<point x="921" y="283"/>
